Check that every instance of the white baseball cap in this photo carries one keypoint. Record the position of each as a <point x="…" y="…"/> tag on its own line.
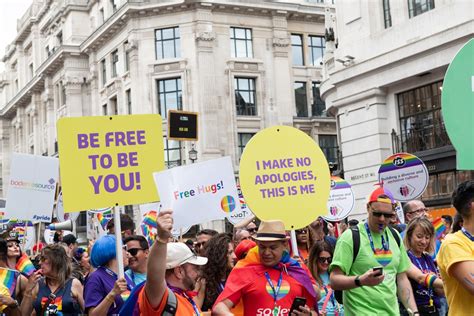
<point x="178" y="254"/>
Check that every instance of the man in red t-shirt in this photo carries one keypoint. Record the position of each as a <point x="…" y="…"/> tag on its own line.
<point x="267" y="280"/>
<point x="172" y="266"/>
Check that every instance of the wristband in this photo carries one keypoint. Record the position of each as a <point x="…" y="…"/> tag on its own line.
<point x="357" y="281"/>
<point x="429" y="280"/>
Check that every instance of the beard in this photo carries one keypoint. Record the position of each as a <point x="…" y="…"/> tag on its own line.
<point x="188" y="283"/>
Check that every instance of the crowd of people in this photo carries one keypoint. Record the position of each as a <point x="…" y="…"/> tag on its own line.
<point x="374" y="267"/>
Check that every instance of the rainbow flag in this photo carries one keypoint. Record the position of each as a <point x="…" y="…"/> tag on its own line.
<point x="248" y="269"/>
<point x="25" y="266"/>
<point x="150" y="219"/>
<point x="8" y="279"/>
<point x="439" y="227"/>
<point x="125" y="295"/>
<point x="104" y="218"/>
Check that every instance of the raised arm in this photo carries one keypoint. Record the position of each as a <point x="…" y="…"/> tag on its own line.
<point x="155" y="286"/>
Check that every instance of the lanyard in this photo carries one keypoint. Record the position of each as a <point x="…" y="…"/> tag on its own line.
<point x="385" y="245"/>
<point x="426" y="270"/>
<point x="186" y="296"/>
<point x="468" y="234"/>
<point x="277" y="290"/>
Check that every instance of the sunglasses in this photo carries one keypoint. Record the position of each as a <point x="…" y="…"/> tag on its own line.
<point x="199" y="244"/>
<point x="301" y="231"/>
<point x="325" y="259"/>
<point x="380" y="214"/>
<point x="133" y="251"/>
<point x="252" y="230"/>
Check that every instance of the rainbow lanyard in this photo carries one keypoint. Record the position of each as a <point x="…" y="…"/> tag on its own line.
<point x="275" y="291"/>
<point x="426" y="270"/>
<point x="468" y="234"/>
<point x="186" y="296"/>
<point x="385" y="245"/>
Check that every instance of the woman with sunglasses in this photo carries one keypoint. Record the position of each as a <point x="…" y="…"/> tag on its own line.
<point x="420" y="242"/>
<point x="320" y="257"/>
<point x="51" y="290"/>
<point x="104" y="292"/>
<point x="9" y="253"/>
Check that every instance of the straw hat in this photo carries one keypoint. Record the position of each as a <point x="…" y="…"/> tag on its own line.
<point x="271" y="231"/>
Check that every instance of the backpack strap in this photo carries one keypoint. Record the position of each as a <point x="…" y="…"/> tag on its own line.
<point x="171" y="304"/>
<point x="355" y="242"/>
<point x="395" y="235"/>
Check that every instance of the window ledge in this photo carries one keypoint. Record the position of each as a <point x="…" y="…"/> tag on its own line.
<point x="248" y="118"/>
<point x="245" y="60"/>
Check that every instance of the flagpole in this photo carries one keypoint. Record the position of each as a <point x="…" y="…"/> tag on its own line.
<point x="118" y="242"/>
<point x="294" y="244"/>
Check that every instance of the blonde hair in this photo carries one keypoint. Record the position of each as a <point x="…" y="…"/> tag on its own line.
<point x="427" y="227"/>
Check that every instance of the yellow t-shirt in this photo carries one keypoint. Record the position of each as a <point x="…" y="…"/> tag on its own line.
<point x="456" y="248"/>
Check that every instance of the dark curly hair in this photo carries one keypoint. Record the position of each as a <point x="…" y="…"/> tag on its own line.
<point x="216" y="269"/>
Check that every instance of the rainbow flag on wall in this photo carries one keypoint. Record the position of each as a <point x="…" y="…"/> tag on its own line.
<point x="25" y="266"/>
<point x="439" y="227"/>
<point x="7" y="278"/>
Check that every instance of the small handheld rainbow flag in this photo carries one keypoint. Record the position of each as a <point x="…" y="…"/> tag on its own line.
<point x="439" y="227"/>
<point x="7" y="278"/>
<point x="150" y="219"/>
<point x="25" y="266"/>
<point x="104" y="218"/>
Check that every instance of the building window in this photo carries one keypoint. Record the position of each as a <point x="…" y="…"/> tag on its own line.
<point x="328" y="144"/>
<point x="128" y="99"/>
<point x="114" y="105"/>
<point x="169" y="96"/>
<point x="104" y="109"/>
<point x="301" y="99"/>
<point x="442" y="185"/>
<point x="31" y="71"/>
<point x="113" y="5"/>
<point x="387" y="17"/>
<point x="421" y="123"/>
<point x="245" y="96"/>
<point x="167" y="43"/>
<point x="172" y="150"/>
<point x="417" y="7"/>
<point x="316" y="47"/>
<point x="297" y="49"/>
<point x="243" y="140"/>
<point x="241" y="42"/>
<point x="113" y="62"/>
<point x="318" y="106"/>
<point x="63" y="94"/>
<point x="126" y="57"/>
<point x="103" y="70"/>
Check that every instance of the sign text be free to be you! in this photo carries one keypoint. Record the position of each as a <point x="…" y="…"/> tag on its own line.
<point x="108" y="161"/>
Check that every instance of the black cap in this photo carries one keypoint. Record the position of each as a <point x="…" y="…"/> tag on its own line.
<point x="69" y="239"/>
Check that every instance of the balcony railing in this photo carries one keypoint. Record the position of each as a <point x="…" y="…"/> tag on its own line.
<point x="420" y="139"/>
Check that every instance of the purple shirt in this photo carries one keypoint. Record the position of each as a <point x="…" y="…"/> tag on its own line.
<point x="98" y="285"/>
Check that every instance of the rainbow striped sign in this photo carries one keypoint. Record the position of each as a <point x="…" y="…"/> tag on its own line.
<point x="341" y="200"/>
<point x="405" y="175"/>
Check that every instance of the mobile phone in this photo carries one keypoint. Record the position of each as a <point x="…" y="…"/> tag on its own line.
<point x="297" y="302"/>
<point x="379" y="270"/>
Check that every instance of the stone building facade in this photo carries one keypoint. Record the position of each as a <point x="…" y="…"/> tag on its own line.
<point x="384" y="86"/>
<point x="242" y="65"/>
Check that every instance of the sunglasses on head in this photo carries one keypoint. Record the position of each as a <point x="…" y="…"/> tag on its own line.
<point x="380" y="214"/>
<point x="133" y="251"/>
<point x="325" y="259"/>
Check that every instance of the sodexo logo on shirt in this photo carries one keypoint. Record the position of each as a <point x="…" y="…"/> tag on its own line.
<point x="269" y="311"/>
<point x="20" y="184"/>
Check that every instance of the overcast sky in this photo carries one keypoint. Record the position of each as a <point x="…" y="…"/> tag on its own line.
<point x="10" y="12"/>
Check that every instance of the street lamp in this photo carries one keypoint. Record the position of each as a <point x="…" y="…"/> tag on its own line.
<point x="193" y="154"/>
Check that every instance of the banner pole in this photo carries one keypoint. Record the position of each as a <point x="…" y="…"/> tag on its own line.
<point x="118" y="242"/>
<point x="38" y="238"/>
<point x="294" y="244"/>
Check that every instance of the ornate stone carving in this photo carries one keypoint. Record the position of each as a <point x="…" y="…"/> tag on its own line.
<point x="281" y="42"/>
<point x="206" y="36"/>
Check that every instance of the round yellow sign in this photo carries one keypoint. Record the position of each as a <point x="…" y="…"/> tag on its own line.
<point x="284" y="175"/>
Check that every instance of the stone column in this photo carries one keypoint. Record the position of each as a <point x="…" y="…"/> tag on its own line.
<point x="282" y="108"/>
<point x="5" y="149"/>
<point x="206" y="102"/>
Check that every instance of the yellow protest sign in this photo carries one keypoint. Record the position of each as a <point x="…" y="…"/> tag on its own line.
<point x="284" y="175"/>
<point x="109" y="160"/>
